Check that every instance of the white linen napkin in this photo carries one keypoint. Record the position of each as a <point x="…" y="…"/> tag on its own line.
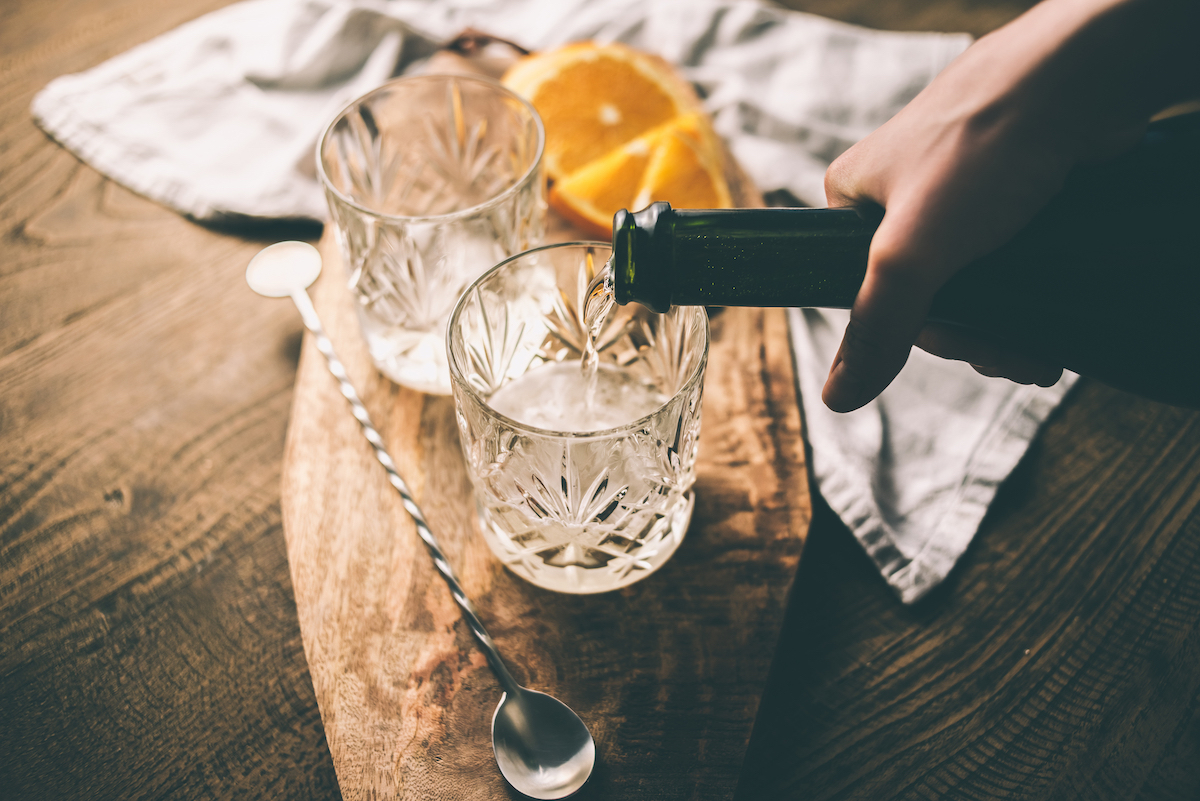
<point x="217" y="119"/>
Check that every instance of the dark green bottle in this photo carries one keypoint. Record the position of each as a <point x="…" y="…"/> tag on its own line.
<point x="1106" y="279"/>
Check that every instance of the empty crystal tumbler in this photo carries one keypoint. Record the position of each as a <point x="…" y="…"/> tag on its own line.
<point x="430" y="181"/>
<point x="580" y="421"/>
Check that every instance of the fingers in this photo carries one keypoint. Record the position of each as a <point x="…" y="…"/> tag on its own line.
<point x="885" y="320"/>
<point x="887" y="315"/>
<point x="985" y="356"/>
<point x="888" y="310"/>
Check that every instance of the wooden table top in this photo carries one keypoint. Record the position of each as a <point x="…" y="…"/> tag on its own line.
<point x="149" y="644"/>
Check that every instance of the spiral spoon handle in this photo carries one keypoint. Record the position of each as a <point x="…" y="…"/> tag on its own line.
<point x="313" y="323"/>
<point x="542" y="747"/>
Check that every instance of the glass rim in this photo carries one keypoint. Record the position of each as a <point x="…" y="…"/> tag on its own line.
<point x="495" y="200"/>
<point x="458" y="379"/>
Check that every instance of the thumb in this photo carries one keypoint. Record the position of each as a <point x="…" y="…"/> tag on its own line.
<point x="888" y="313"/>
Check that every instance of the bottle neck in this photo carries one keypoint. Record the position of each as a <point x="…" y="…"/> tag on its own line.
<point x="665" y="257"/>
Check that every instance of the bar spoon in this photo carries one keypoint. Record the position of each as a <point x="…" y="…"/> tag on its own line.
<point x="542" y="748"/>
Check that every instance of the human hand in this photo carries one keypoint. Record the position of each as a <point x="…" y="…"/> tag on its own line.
<point x="969" y="162"/>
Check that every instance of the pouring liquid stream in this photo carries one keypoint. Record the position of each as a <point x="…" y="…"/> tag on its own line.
<point x="598" y="302"/>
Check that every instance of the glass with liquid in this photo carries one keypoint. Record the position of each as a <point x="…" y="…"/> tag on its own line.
<point x="430" y="180"/>
<point x="579" y="419"/>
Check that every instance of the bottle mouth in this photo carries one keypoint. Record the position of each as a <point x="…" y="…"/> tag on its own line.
<point x="643" y="237"/>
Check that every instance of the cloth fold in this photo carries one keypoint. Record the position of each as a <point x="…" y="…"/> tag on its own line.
<point x="217" y="119"/>
<point x="913" y="472"/>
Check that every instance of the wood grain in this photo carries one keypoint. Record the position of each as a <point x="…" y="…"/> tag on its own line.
<point x="1060" y="662"/>
<point x="149" y="644"/>
<point x="667" y="672"/>
<point x="148" y="640"/>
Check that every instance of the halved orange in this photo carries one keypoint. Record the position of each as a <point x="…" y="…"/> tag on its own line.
<point x="622" y="129"/>
<point x="672" y="162"/>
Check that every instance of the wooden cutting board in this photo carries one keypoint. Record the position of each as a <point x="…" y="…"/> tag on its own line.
<point x="667" y="673"/>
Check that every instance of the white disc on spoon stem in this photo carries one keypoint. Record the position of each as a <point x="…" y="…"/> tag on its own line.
<point x="283" y="268"/>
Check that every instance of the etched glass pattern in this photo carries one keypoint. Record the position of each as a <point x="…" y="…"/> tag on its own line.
<point x="577" y="511"/>
<point x="430" y="181"/>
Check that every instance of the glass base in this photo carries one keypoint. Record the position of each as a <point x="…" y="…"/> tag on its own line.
<point x="588" y="559"/>
<point x="414" y="359"/>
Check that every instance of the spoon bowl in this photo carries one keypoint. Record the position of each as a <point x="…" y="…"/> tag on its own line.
<point x="542" y="748"/>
